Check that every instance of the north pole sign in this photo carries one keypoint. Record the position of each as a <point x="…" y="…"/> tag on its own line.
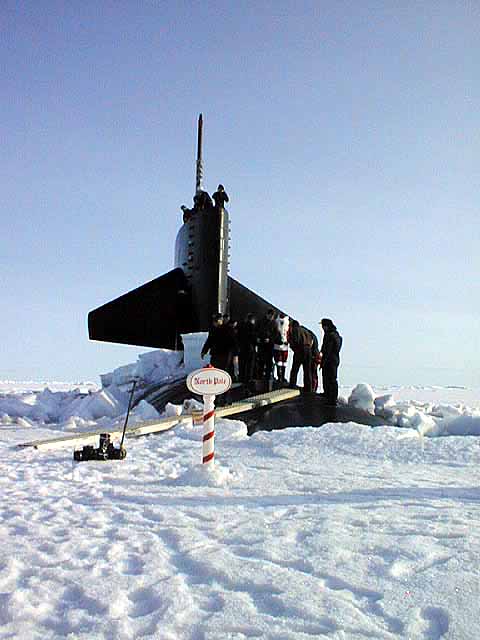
<point x="209" y="381"/>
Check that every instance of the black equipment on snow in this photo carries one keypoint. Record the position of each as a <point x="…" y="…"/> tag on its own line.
<point x="106" y="450"/>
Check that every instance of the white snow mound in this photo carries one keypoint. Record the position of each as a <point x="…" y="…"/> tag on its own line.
<point x="362" y="397"/>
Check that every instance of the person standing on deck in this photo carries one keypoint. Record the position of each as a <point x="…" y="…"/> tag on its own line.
<point x="220" y="343"/>
<point x="280" y="347"/>
<point x="220" y="197"/>
<point x="247" y="343"/>
<point x="315" y="360"/>
<point x="301" y="341"/>
<point x="330" y="360"/>
<point x="267" y="331"/>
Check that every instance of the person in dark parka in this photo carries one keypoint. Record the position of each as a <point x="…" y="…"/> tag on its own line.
<point x="220" y="343"/>
<point x="315" y="361"/>
<point x="232" y="326"/>
<point x="301" y="341"/>
<point x="292" y="339"/>
<point x="330" y="360"/>
<point x="247" y="344"/>
<point x="202" y="201"/>
<point x="267" y="333"/>
<point x="220" y="197"/>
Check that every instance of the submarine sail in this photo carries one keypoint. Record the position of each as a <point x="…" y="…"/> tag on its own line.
<point x="183" y="300"/>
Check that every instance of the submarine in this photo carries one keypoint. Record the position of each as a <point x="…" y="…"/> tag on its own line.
<point x="156" y="313"/>
<point x="182" y="301"/>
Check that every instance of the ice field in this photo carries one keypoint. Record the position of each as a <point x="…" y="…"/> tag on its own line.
<point x="342" y="532"/>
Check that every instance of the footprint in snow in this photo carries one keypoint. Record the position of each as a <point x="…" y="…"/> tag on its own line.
<point x="146" y="601"/>
<point x="438" y="622"/>
<point x="132" y="565"/>
<point x="76" y="597"/>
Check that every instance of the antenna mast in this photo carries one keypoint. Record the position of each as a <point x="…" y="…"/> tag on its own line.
<point x="199" y="177"/>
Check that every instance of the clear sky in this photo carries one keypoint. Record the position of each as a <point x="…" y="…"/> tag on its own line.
<point x="346" y="134"/>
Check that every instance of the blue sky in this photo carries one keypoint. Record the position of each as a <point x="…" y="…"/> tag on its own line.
<point x="347" y="136"/>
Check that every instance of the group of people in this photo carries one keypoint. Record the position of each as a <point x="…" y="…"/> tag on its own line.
<point x="310" y="357"/>
<point x="249" y="350"/>
<point x="203" y="202"/>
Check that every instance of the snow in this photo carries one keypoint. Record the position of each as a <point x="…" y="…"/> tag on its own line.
<point x="151" y="367"/>
<point x="345" y="531"/>
<point x="362" y="397"/>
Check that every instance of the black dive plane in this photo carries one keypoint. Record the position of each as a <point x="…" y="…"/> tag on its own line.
<point x="184" y="299"/>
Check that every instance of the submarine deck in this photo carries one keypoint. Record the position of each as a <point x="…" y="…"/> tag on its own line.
<point x="271" y="410"/>
<point x="277" y="409"/>
<point x="304" y="410"/>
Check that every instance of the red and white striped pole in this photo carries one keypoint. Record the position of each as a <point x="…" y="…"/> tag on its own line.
<point x="209" y="382"/>
<point x="208" y="457"/>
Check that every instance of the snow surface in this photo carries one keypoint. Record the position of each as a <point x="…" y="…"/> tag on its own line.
<point x="342" y="532"/>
